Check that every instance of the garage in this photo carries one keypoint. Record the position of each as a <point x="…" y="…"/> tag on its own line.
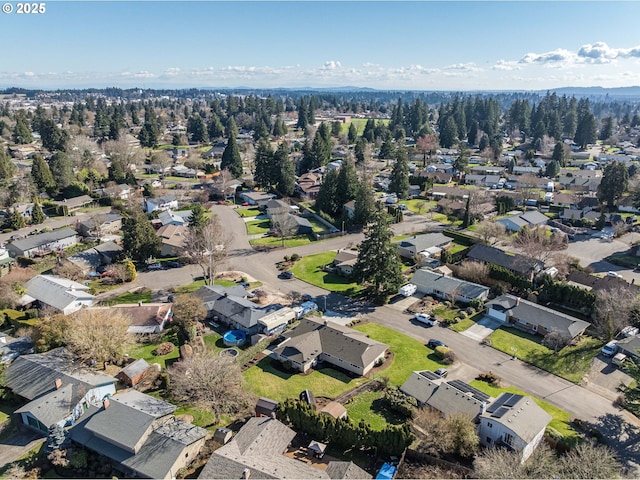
<point x="497" y="314"/>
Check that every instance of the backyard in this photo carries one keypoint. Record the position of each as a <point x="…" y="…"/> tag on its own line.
<point x="374" y="410"/>
<point x="571" y="363"/>
<point x="309" y="269"/>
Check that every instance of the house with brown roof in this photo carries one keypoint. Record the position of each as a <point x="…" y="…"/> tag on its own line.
<point x="344" y="261"/>
<point x="308" y="184"/>
<point x="313" y="342"/>
<point x="144" y="318"/>
<point x="172" y="239"/>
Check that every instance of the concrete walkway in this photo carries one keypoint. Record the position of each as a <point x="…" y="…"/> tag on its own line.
<point x="482" y="329"/>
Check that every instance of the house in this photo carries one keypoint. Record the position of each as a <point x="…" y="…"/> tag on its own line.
<point x="344" y="261"/>
<point x="256" y="198"/>
<point x="534" y="318"/>
<point x="627" y="204"/>
<point x="630" y="346"/>
<point x="172" y="240"/>
<point x="410" y="247"/>
<point x="490" y="181"/>
<point x="133" y="373"/>
<point x="531" y="219"/>
<point x="302" y="225"/>
<point x="177" y="217"/>
<point x="526" y="170"/>
<point x="601" y="283"/>
<point x="185" y="172"/>
<point x="276" y="320"/>
<point x="573" y="215"/>
<point x="43" y="243"/>
<point x="58" y="389"/>
<point x="312" y="342"/>
<point x="513" y="421"/>
<point x="210" y="293"/>
<point x="350" y="208"/>
<point x="276" y="207"/>
<point x="234" y="311"/>
<point x="140" y="434"/>
<point x="518" y="264"/>
<point x="160" y="203"/>
<point x="60" y="293"/>
<point x="565" y="200"/>
<point x="257" y="451"/>
<point x="438" y="192"/>
<point x="448" y="398"/>
<point x="308" y="184"/>
<point x="76" y="203"/>
<point x="5" y="260"/>
<point x="144" y="318"/>
<point x="216" y="151"/>
<point x="265" y="407"/>
<point x="452" y="206"/>
<point x="100" y="225"/>
<point x="121" y="191"/>
<point x="448" y="288"/>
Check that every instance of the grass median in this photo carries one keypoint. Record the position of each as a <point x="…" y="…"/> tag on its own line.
<point x="310" y="269"/>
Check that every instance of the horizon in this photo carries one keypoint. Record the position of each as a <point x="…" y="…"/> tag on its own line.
<point x="405" y="46"/>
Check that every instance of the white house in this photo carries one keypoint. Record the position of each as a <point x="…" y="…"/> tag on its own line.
<point x="514" y="421"/>
<point x="43" y="243"/>
<point x="160" y="203"/>
<point x="448" y="288"/>
<point x="530" y="219"/>
<point x="57" y="292"/>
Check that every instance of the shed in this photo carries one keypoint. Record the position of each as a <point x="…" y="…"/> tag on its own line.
<point x="134" y="372"/>
<point x="222" y="435"/>
<point x="316" y="449"/>
<point x="265" y="407"/>
<point x="335" y="410"/>
<point x="307" y="396"/>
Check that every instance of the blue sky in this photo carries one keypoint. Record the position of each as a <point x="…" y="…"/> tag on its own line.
<point x="426" y="45"/>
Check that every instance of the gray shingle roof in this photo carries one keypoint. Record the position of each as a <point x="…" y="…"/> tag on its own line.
<point x="535" y="314"/>
<point x="521" y="415"/>
<point x="427" y="240"/>
<point x="54" y="406"/>
<point x="518" y="263"/>
<point x="135" y="368"/>
<point x="31" y="376"/>
<point x="35" y="241"/>
<point x="430" y="280"/>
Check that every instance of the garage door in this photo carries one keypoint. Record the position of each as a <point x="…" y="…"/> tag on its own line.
<point x="497" y="315"/>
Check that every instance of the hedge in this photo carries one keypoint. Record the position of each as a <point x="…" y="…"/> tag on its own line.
<point x="461" y="238"/>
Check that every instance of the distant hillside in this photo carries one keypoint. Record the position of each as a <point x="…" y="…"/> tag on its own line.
<point x="620" y="92"/>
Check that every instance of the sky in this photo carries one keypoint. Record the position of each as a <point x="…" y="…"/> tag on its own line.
<point x="399" y="45"/>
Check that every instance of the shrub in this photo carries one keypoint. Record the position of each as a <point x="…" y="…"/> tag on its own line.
<point x="462" y="314"/>
<point x="440" y="352"/>
<point x="164" y="348"/>
<point x="449" y="357"/>
<point x="476" y="304"/>
<point x="489" y="377"/>
<point x="401" y="403"/>
<point x="470" y="310"/>
<point x="294" y="257"/>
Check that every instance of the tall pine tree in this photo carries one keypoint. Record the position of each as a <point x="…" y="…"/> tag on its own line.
<point x="286" y="175"/>
<point x="399" y="181"/>
<point x="231" y="159"/>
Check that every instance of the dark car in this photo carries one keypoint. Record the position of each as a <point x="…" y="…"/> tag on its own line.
<point x="173" y="264"/>
<point x="288" y="275"/>
<point x="433" y="343"/>
<point x="442" y="372"/>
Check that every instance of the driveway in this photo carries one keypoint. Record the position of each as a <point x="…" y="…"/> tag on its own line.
<point x="482" y="329"/>
<point x="591" y="252"/>
<point x="17" y="445"/>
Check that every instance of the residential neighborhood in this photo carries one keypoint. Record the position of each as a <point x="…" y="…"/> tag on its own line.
<point x="261" y="286"/>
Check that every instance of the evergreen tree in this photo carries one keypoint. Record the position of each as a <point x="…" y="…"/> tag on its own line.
<point x="449" y="133"/>
<point x="15" y="220"/>
<point x="462" y="160"/>
<point x="53" y="138"/>
<point x="336" y="128"/>
<point x="352" y="136"/>
<point x="386" y="150"/>
<point x="607" y="129"/>
<point x="22" y="132"/>
<point x="369" y="131"/>
<point x="360" y="150"/>
<point x="327" y="199"/>
<point x="285" y="172"/>
<point x="365" y="204"/>
<point x="215" y="128"/>
<point x="139" y="239"/>
<point x="553" y="169"/>
<point x="379" y="266"/>
<point x="198" y="218"/>
<point x="231" y="159"/>
<point x="37" y="215"/>
<point x="347" y="186"/>
<point x="61" y="168"/>
<point x="586" y="124"/>
<point x="558" y="153"/>
<point x="41" y="174"/>
<point x="265" y="168"/>
<point x="615" y="180"/>
<point x="321" y="146"/>
<point x="303" y="117"/>
<point x="399" y="181"/>
<point x="7" y="167"/>
<point x="467" y="219"/>
<point x="197" y="129"/>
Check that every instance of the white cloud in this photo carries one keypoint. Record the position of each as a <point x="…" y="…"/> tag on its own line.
<point x="506" y="65"/>
<point x="557" y="56"/>
<point x="331" y="65"/>
<point x="172" y="72"/>
<point x="464" y="67"/>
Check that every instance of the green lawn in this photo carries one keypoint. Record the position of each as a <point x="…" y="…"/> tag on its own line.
<point x="203" y="418"/>
<point x="318" y="226"/>
<point x="130" y="297"/>
<point x="265" y="380"/>
<point x="571" y="363"/>
<point x="419" y="205"/>
<point x="146" y="351"/>
<point x="309" y="269"/>
<point x="409" y="354"/>
<point x="360" y="123"/>
<point x="258" y="227"/>
<point x="248" y="212"/>
<point x="560" y="421"/>
<point x="374" y="410"/>
<point x="462" y="325"/>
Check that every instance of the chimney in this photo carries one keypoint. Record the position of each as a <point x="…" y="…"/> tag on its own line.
<point x="106" y="403"/>
<point x="483" y="407"/>
<point x="517" y="301"/>
<point x="58" y="383"/>
<point x="246" y="473"/>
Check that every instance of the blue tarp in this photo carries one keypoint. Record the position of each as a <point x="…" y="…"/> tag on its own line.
<point x="387" y="471"/>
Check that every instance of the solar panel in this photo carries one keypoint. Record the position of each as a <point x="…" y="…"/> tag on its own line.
<point x="500" y="412"/>
<point x="498" y="403"/>
<point x="513" y="400"/>
<point x="463" y="387"/>
<point x="429" y="374"/>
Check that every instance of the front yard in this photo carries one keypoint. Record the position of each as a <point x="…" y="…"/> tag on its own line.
<point x="309" y="269"/>
<point x="571" y="363"/>
<point x="258" y="227"/>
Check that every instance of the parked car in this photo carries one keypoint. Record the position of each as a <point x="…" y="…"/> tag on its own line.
<point x="610" y="349"/>
<point x="156" y="266"/>
<point x="433" y="343"/>
<point x="244" y="284"/>
<point x="173" y="264"/>
<point x="619" y="359"/>
<point x="442" y="372"/>
<point x="425" y="318"/>
<point x="288" y="275"/>
<point x="614" y="274"/>
<point x="629" y="331"/>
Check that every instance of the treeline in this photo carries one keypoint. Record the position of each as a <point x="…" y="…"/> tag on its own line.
<point x="392" y="440"/>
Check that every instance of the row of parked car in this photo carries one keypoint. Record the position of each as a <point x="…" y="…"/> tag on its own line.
<point x="611" y="349"/>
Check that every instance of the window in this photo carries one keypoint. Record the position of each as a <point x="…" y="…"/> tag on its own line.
<point x="489" y="424"/>
<point x="489" y="440"/>
<point x="508" y="439"/>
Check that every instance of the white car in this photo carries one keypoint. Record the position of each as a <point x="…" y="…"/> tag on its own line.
<point x="614" y="274"/>
<point x="425" y="318"/>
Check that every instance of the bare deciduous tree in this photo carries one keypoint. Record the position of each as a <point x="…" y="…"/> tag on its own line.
<point x="284" y="224"/>
<point x="491" y="232"/>
<point x="614" y="307"/>
<point x="536" y="244"/>
<point x="98" y="335"/>
<point x="120" y="151"/>
<point x="476" y="272"/>
<point x="223" y="183"/>
<point x="209" y="381"/>
<point x="208" y="247"/>
<point x="188" y="310"/>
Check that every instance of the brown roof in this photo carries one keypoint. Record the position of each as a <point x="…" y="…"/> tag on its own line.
<point x="334" y="409"/>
